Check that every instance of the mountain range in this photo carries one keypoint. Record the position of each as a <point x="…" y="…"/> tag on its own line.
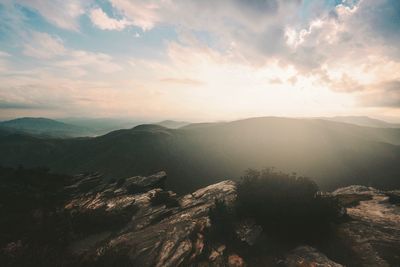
<point x="363" y="121"/>
<point x="44" y="127"/>
<point x="332" y="153"/>
<point x="75" y="127"/>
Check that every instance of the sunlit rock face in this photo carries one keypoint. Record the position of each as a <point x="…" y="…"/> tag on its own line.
<point x="150" y="228"/>
<point x="373" y="233"/>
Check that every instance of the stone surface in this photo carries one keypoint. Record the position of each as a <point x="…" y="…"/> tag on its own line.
<point x="394" y="196"/>
<point x="136" y="222"/>
<point x="373" y="234"/>
<point x="248" y="231"/>
<point x="145" y="232"/>
<point x="235" y="261"/>
<point x="306" y="256"/>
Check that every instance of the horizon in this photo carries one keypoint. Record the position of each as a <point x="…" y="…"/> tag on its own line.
<point x="236" y="59"/>
<point x="70" y="120"/>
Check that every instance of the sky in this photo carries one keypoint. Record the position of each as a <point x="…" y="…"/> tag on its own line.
<point x="199" y="60"/>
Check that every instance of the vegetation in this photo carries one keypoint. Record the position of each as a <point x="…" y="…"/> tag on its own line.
<point x="34" y="229"/>
<point x="286" y="205"/>
<point x="222" y="222"/>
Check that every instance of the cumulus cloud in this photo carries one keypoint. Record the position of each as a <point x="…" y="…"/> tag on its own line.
<point x="100" y="19"/>
<point x="307" y="35"/>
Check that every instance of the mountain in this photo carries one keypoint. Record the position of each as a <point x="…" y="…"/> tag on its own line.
<point x="44" y="127"/>
<point x="100" y="126"/>
<point x="173" y="124"/>
<point x="334" y="154"/>
<point x="363" y="121"/>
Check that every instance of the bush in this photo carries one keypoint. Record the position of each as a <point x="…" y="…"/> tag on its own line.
<point x="222" y="219"/>
<point x="284" y="204"/>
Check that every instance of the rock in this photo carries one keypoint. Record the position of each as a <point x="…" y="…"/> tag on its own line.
<point x="147" y="230"/>
<point x="306" y="256"/>
<point x="352" y="195"/>
<point x="216" y="254"/>
<point x="235" y="261"/>
<point x="138" y="184"/>
<point x="355" y="189"/>
<point x="136" y="222"/>
<point x="373" y="233"/>
<point x="221" y="249"/>
<point x="394" y="196"/>
<point x="248" y="231"/>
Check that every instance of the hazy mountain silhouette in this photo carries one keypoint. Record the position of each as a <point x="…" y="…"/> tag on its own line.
<point x="334" y="154"/>
<point x="363" y="121"/>
<point x="173" y="124"/>
<point x="100" y="126"/>
<point x="44" y="127"/>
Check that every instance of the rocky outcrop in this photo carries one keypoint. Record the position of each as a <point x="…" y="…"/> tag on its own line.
<point x="137" y="222"/>
<point x="151" y="228"/>
<point x="373" y="233"/>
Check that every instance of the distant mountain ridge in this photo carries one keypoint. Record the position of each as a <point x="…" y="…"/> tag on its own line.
<point x="333" y="153"/>
<point x="101" y="126"/>
<point x="173" y="124"/>
<point x="363" y="121"/>
<point x="44" y="126"/>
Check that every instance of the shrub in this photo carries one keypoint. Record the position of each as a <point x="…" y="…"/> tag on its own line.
<point x="222" y="219"/>
<point x="284" y="204"/>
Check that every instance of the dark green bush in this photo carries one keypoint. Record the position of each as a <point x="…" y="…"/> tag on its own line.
<point x="222" y="222"/>
<point x="284" y="204"/>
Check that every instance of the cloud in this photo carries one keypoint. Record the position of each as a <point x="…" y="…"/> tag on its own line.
<point x="266" y="56"/>
<point x="96" y="61"/>
<point x="316" y="33"/>
<point x="44" y="46"/>
<point x="4" y="60"/>
<point x="182" y="81"/>
<point x="4" y="54"/>
<point x="20" y="105"/>
<point x="100" y="19"/>
<point x="51" y="51"/>
<point x="144" y="14"/>
<point x="385" y="94"/>
<point x="63" y="14"/>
